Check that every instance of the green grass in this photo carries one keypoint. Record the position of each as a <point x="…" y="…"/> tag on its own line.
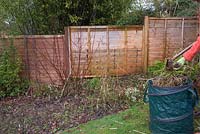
<point x="131" y="121"/>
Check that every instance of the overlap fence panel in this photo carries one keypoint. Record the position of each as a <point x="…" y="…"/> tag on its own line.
<point x="167" y="36"/>
<point x="43" y="57"/>
<point x="46" y="59"/>
<point x="106" y="50"/>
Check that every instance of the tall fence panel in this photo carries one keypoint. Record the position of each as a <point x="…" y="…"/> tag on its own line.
<point x="19" y="44"/>
<point x="43" y="57"/>
<point x="106" y="50"/>
<point x="166" y="36"/>
<point x="46" y="58"/>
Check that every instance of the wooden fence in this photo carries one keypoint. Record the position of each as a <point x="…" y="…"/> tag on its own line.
<point x="44" y="57"/>
<point x="166" y="36"/>
<point x="103" y="50"/>
<point x="106" y="50"/>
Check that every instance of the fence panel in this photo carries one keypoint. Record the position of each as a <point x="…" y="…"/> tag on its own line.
<point x="46" y="59"/>
<point x="106" y="50"/>
<point x="167" y="36"/>
<point x="42" y="56"/>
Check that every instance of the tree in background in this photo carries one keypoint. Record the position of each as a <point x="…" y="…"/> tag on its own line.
<point x="50" y="17"/>
<point x="168" y="8"/>
<point x="136" y="12"/>
<point x="186" y="8"/>
<point x="157" y="8"/>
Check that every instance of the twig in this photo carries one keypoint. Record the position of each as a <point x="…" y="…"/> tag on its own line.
<point x="117" y="122"/>
<point x="113" y="128"/>
<point x="139" y="132"/>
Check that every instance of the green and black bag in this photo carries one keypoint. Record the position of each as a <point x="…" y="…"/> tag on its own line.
<point x="171" y="108"/>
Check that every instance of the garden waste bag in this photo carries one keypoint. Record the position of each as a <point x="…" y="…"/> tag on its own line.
<point x="171" y="109"/>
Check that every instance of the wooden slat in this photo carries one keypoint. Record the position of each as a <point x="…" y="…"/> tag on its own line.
<point x="125" y="48"/>
<point x="89" y="50"/>
<point x="108" y="49"/>
<point x="165" y="41"/>
<point x="146" y="44"/>
<point x="182" y="32"/>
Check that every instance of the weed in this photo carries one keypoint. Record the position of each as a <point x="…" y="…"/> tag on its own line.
<point x="191" y="70"/>
<point x="93" y="84"/>
<point x="165" y="78"/>
<point x="11" y="84"/>
<point x="157" y="68"/>
<point x="45" y="90"/>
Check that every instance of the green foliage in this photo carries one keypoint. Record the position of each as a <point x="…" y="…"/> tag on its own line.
<point x="10" y="66"/>
<point x="156" y="8"/>
<point x="191" y="70"/>
<point x="135" y="17"/>
<point x="157" y="68"/>
<point x="186" y="8"/>
<point x="164" y="8"/>
<point x="112" y="90"/>
<point x="50" y="17"/>
<point x="135" y="13"/>
<point x="44" y="90"/>
<point x="93" y="84"/>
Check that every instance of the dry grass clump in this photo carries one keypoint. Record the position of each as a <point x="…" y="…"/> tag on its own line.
<point x="169" y="81"/>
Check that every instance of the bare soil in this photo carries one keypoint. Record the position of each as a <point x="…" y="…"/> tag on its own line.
<point x="44" y="115"/>
<point x="47" y="115"/>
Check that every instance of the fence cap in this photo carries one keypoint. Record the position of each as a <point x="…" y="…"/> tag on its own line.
<point x="31" y="36"/>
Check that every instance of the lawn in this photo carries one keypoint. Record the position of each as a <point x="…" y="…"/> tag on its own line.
<point x="131" y="121"/>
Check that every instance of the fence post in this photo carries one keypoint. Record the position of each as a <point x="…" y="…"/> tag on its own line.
<point x="146" y="43"/>
<point x="66" y="53"/>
